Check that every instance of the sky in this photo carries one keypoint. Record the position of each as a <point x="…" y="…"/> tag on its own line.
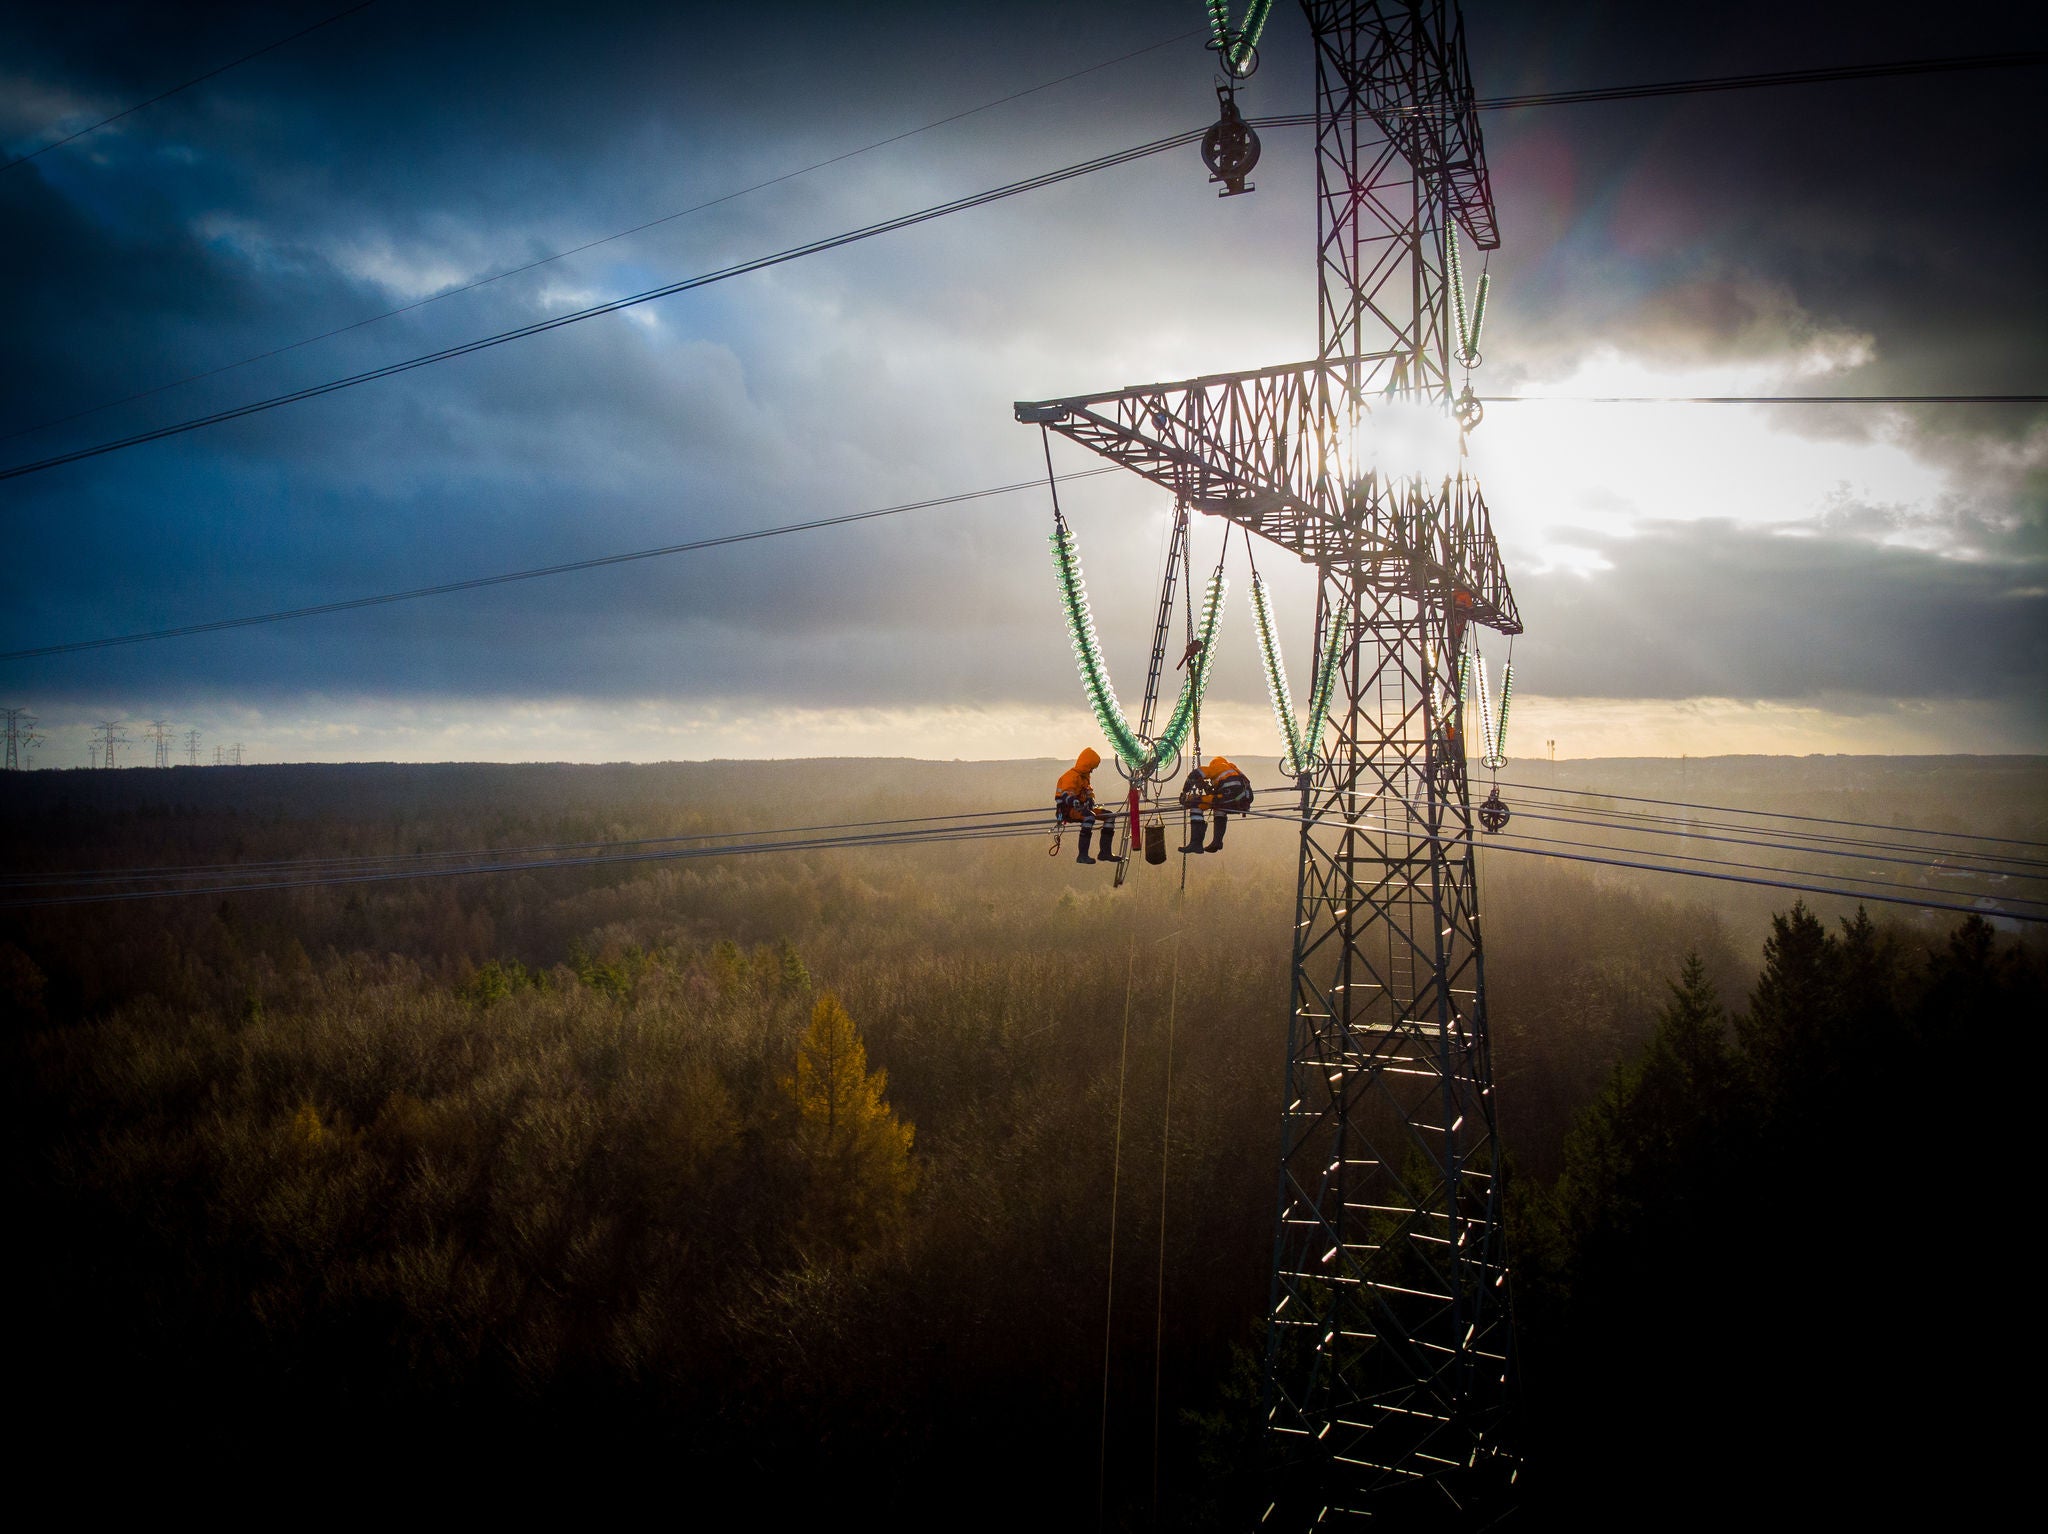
<point x="1694" y="579"/>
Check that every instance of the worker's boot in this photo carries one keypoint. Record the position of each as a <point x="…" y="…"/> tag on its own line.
<point x="1105" y="851"/>
<point x="1084" y="858"/>
<point x="1195" y="830"/>
<point x="1216" y="837"/>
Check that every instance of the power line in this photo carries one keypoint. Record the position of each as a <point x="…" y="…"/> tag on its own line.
<point x="1783" y="884"/>
<point x="341" y="862"/>
<point x="1951" y="858"/>
<point x="1860" y="880"/>
<point x="1818" y="820"/>
<point x="1713" y="83"/>
<point x="1504" y="842"/>
<point x="1708" y="84"/>
<point x="1763" y="399"/>
<point x="1036" y="826"/>
<point x="1816" y="844"/>
<point x="1846" y="843"/>
<point x="613" y="306"/>
<point x="994" y="194"/>
<point x="393" y="861"/>
<point x="641" y="228"/>
<point x="992" y="829"/>
<point x="475" y="583"/>
<point x="174" y="90"/>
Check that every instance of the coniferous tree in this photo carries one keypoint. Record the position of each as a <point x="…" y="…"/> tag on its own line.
<point x="1645" y="1139"/>
<point x="854" y="1150"/>
<point x="1793" y="1012"/>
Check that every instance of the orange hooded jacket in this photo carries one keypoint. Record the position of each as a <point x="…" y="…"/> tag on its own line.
<point x="1074" y="794"/>
<point x="1220" y="768"/>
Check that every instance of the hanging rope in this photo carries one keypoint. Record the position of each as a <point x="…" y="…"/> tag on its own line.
<point x="1165" y="1164"/>
<point x="1116" y="1171"/>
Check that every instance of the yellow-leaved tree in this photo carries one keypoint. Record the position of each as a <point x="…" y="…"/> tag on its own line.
<point x="855" y="1151"/>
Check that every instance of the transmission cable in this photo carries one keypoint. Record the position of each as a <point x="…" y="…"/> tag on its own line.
<point x="1815" y="843"/>
<point x="174" y="90"/>
<point x="391" y="859"/>
<point x="1034" y="826"/>
<point x="1384" y="824"/>
<point x="2018" y="59"/>
<point x="611" y="306"/>
<point x="888" y="226"/>
<point x="1636" y="823"/>
<point x="474" y="583"/>
<point x="1729" y="809"/>
<point x="998" y="829"/>
<point x="573" y="250"/>
<point x="1711" y="83"/>
<point x="1507" y="842"/>
<point x="1763" y="399"/>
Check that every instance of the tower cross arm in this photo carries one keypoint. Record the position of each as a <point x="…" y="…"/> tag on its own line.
<point x="1266" y="451"/>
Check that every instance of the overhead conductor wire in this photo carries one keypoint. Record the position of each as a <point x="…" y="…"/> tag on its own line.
<point x="574" y="250"/>
<point x="329" y="21"/>
<point x="959" y="205"/>
<point x="477" y="582"/>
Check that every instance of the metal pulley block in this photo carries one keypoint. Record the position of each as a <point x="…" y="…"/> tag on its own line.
<point x="1230" y="148"/>
<point x="1493" y="814"/>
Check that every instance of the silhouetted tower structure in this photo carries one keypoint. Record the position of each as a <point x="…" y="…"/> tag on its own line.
<point x="192" y="748"/>
<point x="159" y="735"/>
<point x="21" y="735"/>
<point x="110" y="736"/>
<point x="1388" y="1366"/>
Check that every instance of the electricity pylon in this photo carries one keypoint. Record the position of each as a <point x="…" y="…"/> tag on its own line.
<point x="1388" y="1372"/>
<point x="159" y="732"/>
<point x="21" y="735"/>
<point x="192" y="748"/>
<point x="110" y="737"/>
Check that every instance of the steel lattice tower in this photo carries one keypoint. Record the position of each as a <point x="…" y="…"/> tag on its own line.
<point x="18" y="726"/>
<point x="1388" y="1346"/>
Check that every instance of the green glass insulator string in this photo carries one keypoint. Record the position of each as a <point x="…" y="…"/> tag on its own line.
<point x="1236" y="44"/>
<point x="1469" y="323"/>
<point x="1301" y="742"/>
<point x="1500" y="732"/>
<point x="1276" y="678"/>
<point x="1141" y="756"/>
<point x="1493" y="734"/>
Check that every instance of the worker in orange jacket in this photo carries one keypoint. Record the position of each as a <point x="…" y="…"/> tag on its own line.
<point x="1074" y="804"/>
<point x="1221" y="790"/>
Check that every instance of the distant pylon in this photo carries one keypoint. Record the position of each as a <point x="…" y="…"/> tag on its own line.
<point x="110" y="737"/>
<point x="94" y="748"/>
<point x="21" y="734"/>
<point x="159" y="732"/>
<point x="236" y="753"/>
<point x="192" y="748"/>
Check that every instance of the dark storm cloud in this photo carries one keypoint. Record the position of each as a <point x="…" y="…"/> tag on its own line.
<point x="1728" y="224"/>
<point x="1721" y="609"/>
<point x="408" y="150"/>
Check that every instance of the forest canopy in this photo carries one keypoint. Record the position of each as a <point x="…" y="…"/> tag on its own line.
<point x="802" y="1166"/>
